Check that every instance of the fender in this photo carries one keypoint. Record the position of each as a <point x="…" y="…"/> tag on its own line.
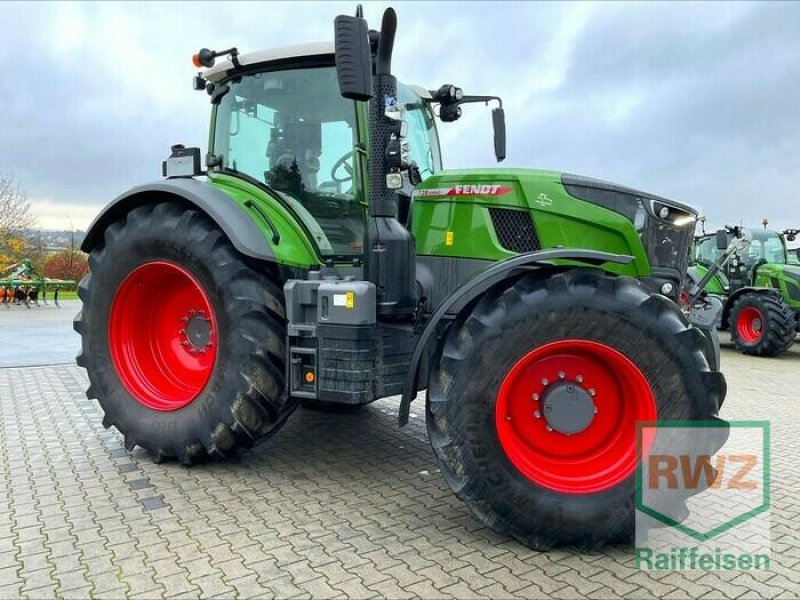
<point x="741" y="292"/>
<point x="479" y="284"/>
<point x="234" y="221"/>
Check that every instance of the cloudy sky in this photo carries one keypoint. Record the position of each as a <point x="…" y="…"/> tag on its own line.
<point x="698" y="102"/>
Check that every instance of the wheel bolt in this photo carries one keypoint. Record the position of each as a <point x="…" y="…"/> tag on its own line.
<point x="185" y="319"/>
<point x="592" y="392"/>
<point x="595" y="410"/>
<point x="561" y="375"/>
<point x="535" y="397"/>
<point x="181" y="331"/>
<point x="537" y="415"/>
<point x="545" y="382"/>
<point x="191" y="312"/>
<point x="579" y="378"/>
<point x="548" y="428"/>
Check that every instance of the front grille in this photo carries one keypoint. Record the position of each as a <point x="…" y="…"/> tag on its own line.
<point x="514" y="229"/>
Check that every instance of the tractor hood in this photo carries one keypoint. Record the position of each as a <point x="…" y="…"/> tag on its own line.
<point x="501" y="186"/>
<point x="532" y="209"/>
<point x="784" y="278"/>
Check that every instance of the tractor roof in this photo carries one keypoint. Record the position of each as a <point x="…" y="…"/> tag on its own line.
<point x="221" y="68"/>
<point x="764" y="234"/>
<point x="322" y="49"/>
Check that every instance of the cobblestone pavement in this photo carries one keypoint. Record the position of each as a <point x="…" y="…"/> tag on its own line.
<point x="334" y="505"/>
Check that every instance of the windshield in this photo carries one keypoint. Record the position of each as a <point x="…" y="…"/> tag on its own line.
<point x="423" y="141"/>
<point x="706" y="251"/>
<point x="293" y="131"/>
<point x="767" y="246"/>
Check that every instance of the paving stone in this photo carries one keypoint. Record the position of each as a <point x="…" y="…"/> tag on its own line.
<point x="335" y="505"/>
<point x="154" y="503"/>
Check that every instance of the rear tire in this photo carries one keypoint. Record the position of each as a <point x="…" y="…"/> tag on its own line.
<point x="762" y="325"/>
<point x="183" y="341"/>
<point x="580" y="322"/>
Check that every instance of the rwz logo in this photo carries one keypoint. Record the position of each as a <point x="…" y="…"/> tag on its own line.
<point x="701" y="471"/>
<point x="703" y="478"/>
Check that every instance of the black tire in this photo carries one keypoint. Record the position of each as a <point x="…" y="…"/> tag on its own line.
<point x="245" y="399"/>
<point x="505" y="325"/>
<point x="779" y="325"/>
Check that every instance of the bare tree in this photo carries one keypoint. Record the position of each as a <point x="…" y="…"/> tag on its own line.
<point x="15" y="210"/>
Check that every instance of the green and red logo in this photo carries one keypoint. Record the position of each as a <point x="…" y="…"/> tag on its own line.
<point x="696" y="501"/>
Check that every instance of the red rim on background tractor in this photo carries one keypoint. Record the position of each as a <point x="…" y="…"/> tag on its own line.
<point x="750" y="325"/>
<point x="566" y="415"/>
<point x="162" y="336"/>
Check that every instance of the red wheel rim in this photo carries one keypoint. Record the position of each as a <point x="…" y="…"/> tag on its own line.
<point x="545" y="450"/>
<point x="162" y="336"/>
<point x="750" y="325"/>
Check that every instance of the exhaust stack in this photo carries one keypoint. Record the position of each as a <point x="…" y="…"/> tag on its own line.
<point x="389" y="257"/>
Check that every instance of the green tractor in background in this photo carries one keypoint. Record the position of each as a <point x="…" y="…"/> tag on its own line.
<point x="749" y="270"/>
<point x="324" y="255"/>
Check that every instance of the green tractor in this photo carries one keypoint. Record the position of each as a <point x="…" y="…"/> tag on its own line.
<point x="749" y="270"/>
<point x="324" y="255"/>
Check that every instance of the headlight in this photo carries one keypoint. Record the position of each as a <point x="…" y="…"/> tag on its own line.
<point x="672" y="214"/>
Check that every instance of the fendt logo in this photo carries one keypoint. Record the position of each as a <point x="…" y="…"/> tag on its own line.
<point x="701" y="489"/>
<point x="485" y="189"/>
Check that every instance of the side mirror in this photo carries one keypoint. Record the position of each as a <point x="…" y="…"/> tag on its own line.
<point x="722" y="239"/>
<point x="499" y="124"/>
<point x="353" y="57"/>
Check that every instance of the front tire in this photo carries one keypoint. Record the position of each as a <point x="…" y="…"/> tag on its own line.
<point x="762" y="325"/>
<point x="182" y="339"/>
<point x="580" y="340"/>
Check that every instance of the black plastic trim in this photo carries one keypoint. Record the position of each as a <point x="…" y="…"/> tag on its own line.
<point x="234" y="221"/>
<point x="479" y="284"/>
<point x="572" y="181"/>
<point x="326" y="59"/>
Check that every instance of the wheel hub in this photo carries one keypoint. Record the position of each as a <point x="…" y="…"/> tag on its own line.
<point x="568" y="408"/>
<point x="196" y="336"/>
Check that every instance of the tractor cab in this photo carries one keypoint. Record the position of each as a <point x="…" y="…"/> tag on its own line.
<point x="766" y="248"/>
<point x="280" y="121"/>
